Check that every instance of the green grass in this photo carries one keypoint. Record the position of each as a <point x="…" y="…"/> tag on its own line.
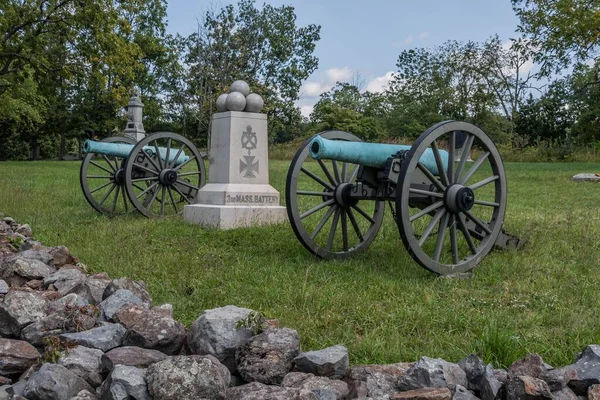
<point x="381" y="304"/>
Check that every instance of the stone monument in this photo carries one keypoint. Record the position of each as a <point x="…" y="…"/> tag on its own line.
<point x="135" y="128"/>
<point x="238" y="193"/>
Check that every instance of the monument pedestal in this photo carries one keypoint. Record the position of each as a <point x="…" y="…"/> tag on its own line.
<point x="239" y="194"/>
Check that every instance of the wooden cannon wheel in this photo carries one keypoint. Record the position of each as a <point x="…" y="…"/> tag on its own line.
<point x="102" y="180"/>
<point x="326" y="226"/>
<point x="160" y="185"/>
<point x="465" y="204"/>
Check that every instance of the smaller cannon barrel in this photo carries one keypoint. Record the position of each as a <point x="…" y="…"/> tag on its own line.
<point x="367" y="154"/>
<point x="124" y="150"/>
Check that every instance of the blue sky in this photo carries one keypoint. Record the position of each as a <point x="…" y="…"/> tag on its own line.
<point x="366" y="36"/>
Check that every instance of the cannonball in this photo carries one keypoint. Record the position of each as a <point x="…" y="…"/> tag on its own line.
<point x="254" y="103"/>
<point x="221" y="100"/>
<point x="241" y="87"/>
<point x="235" y="101"/>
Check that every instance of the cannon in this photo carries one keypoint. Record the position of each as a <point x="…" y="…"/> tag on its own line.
<point x="156" y="176"/>
<point x="449" y="210"/>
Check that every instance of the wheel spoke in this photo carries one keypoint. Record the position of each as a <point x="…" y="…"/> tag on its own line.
<point x="474" y="167"/>
<point x="334" y="223"/>
<point x="344" y="170"/>
<point x="326" y="171"/>
<point x="162" y="201"/>
<point x="464" y="157"/>
<point x="353" y="173"/>
<point x="168" y="152"/>
<point x="439" y="163"/>
<point x="160" y="163"/>
<point x="98" y="177"/>
<point x="183" y="164"/>
<point x="336" y="171"/>
<point x="453" y="240"/>
<point x="430" y="176"/>
<point x="107" y="194"/>
<point x="452" y="144"/>
<point x="154" y="195"/>
<point x="109" y="163"/>
<point x="355" y="225"/>
<point x="186" y="198"/>
<point x="436" y="218"/>
<point x="307" y="193"/>
<point x="317" y="208"/>
<point x="186" y="184"/>
<point x="190" y="173"/>
<point x="170" y="165"/>
<point x="151" y="161"/>
<point x="101" y="187"/>
<point x="440" y="239"/>
<point x="153" y="172"/>
<point x="484" y="182"/>
<point x="323" y="221"/>
<point x="102" y="167"/>
<point x="149" y="188"/>
<point x="172" y="200"/>
<point x="114" y="206"/>
<point x="316" y="178"/>
<point x="125" y="200"/>
<point x="487" y="203"/>
<point x="478" y="222"/>
<point x="152" y="178"/>
<point x="426" y="193"/>
<point x="426" y="210"/>
<point x="344" y="223"/>
<point x="364" y="214"/>
<point x="466" y="234"/>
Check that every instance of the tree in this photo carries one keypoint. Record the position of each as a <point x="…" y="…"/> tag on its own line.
<point x="563" y="31"/>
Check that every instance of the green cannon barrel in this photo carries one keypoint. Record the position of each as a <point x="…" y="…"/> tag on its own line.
<point x="367" y="154"/>
<point x="123" y="150"/>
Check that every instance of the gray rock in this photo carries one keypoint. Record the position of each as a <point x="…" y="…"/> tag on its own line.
<point x="564" y="394"/>
<point x="4" y="395"/>
<point x="530" y="365"/>
<point x="500" y="374"/>
<point x="586" y="178"/>
<point x="125" y="383"/>
<point x="432" y="373"/>
<point x="42" y="254"/>
<point x="131" y="356"/>
<point x="64" y="278"/>
<point x="16" y="356"/>
<point x="24" y="230"/>
<point x="474" y="368"/>
<point x="593" y="392"/>
<point x="104" y="338"/>
<point x="151" y="329"/>
<point x="18" y="310"/>
<point x="54" y="382"/>
<point x="113" y="303"/>
<point x="260" y="391"/>
<point x="136" y="287"/>
<point x="62" y="256"/>
<point x="28" y="268"/>
<point x="489" y="384"/>
<point x="215" y="332"/>
<point x="375" y="381"/>
<point x="558" y="378"/>
<point x="18" y="388"/>
<point x="85" y="363"/>
<point x="85" y="395"/>
<point x="527" y="388"/>
<point x="423" y="394"/>
<point x="587" y="367"/>
<point x="187" y="377"/>
<point x="268" y="357"/>
<point x="462" y="393"/>
<point x="164" y="309"/>
<point x="323" y="388"/>
<point x="90" y="289"/>
<point x="3" y="287"/>
<point x="331" y="362"/>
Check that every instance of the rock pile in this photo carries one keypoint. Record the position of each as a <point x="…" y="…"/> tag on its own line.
<point x="68" y="335"/>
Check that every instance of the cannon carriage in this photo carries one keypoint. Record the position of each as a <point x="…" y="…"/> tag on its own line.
<point x="448" y="209"/>
<point x="156" y="176"/>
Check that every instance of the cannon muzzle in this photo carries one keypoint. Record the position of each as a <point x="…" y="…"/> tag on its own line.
<point x="367" y="154"/>
<point x="123" y="150"/>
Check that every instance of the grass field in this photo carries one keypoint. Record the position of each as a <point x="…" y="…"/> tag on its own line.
<point x="381" y="304"/>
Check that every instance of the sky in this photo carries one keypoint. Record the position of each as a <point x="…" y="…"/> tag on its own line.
<point x="365" y="37"/>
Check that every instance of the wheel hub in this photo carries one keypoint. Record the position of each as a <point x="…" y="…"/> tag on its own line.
<point x="168" y="177"/>
<point x="459" y="198"/>
<point x="119" y="177"/>
<point x="343" y="196"/>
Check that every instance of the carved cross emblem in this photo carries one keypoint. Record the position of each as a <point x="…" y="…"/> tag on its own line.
<point x="250" y="166"/>
<point x="249" y="140"/>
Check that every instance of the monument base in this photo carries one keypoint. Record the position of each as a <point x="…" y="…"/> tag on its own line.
<point x="231" y="217"/>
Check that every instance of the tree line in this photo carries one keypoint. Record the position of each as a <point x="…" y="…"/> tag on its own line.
<point x="67" y="68"/>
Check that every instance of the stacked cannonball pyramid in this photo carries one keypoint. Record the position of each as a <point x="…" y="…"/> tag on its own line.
<point x="239" y="98"/>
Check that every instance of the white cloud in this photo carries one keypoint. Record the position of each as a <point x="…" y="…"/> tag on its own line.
<point x="306" y="110"/>
<point x="314" y="89"/>
<point x="380" y="83"/>
<point x="408" y="40"/>
<point x="338" y="74"/>
<point x="423" y="35"/>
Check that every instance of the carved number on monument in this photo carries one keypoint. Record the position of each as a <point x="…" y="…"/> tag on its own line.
<point x="249" y="142"/>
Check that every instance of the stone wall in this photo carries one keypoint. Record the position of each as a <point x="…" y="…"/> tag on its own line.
<point x="65" y="334"/>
